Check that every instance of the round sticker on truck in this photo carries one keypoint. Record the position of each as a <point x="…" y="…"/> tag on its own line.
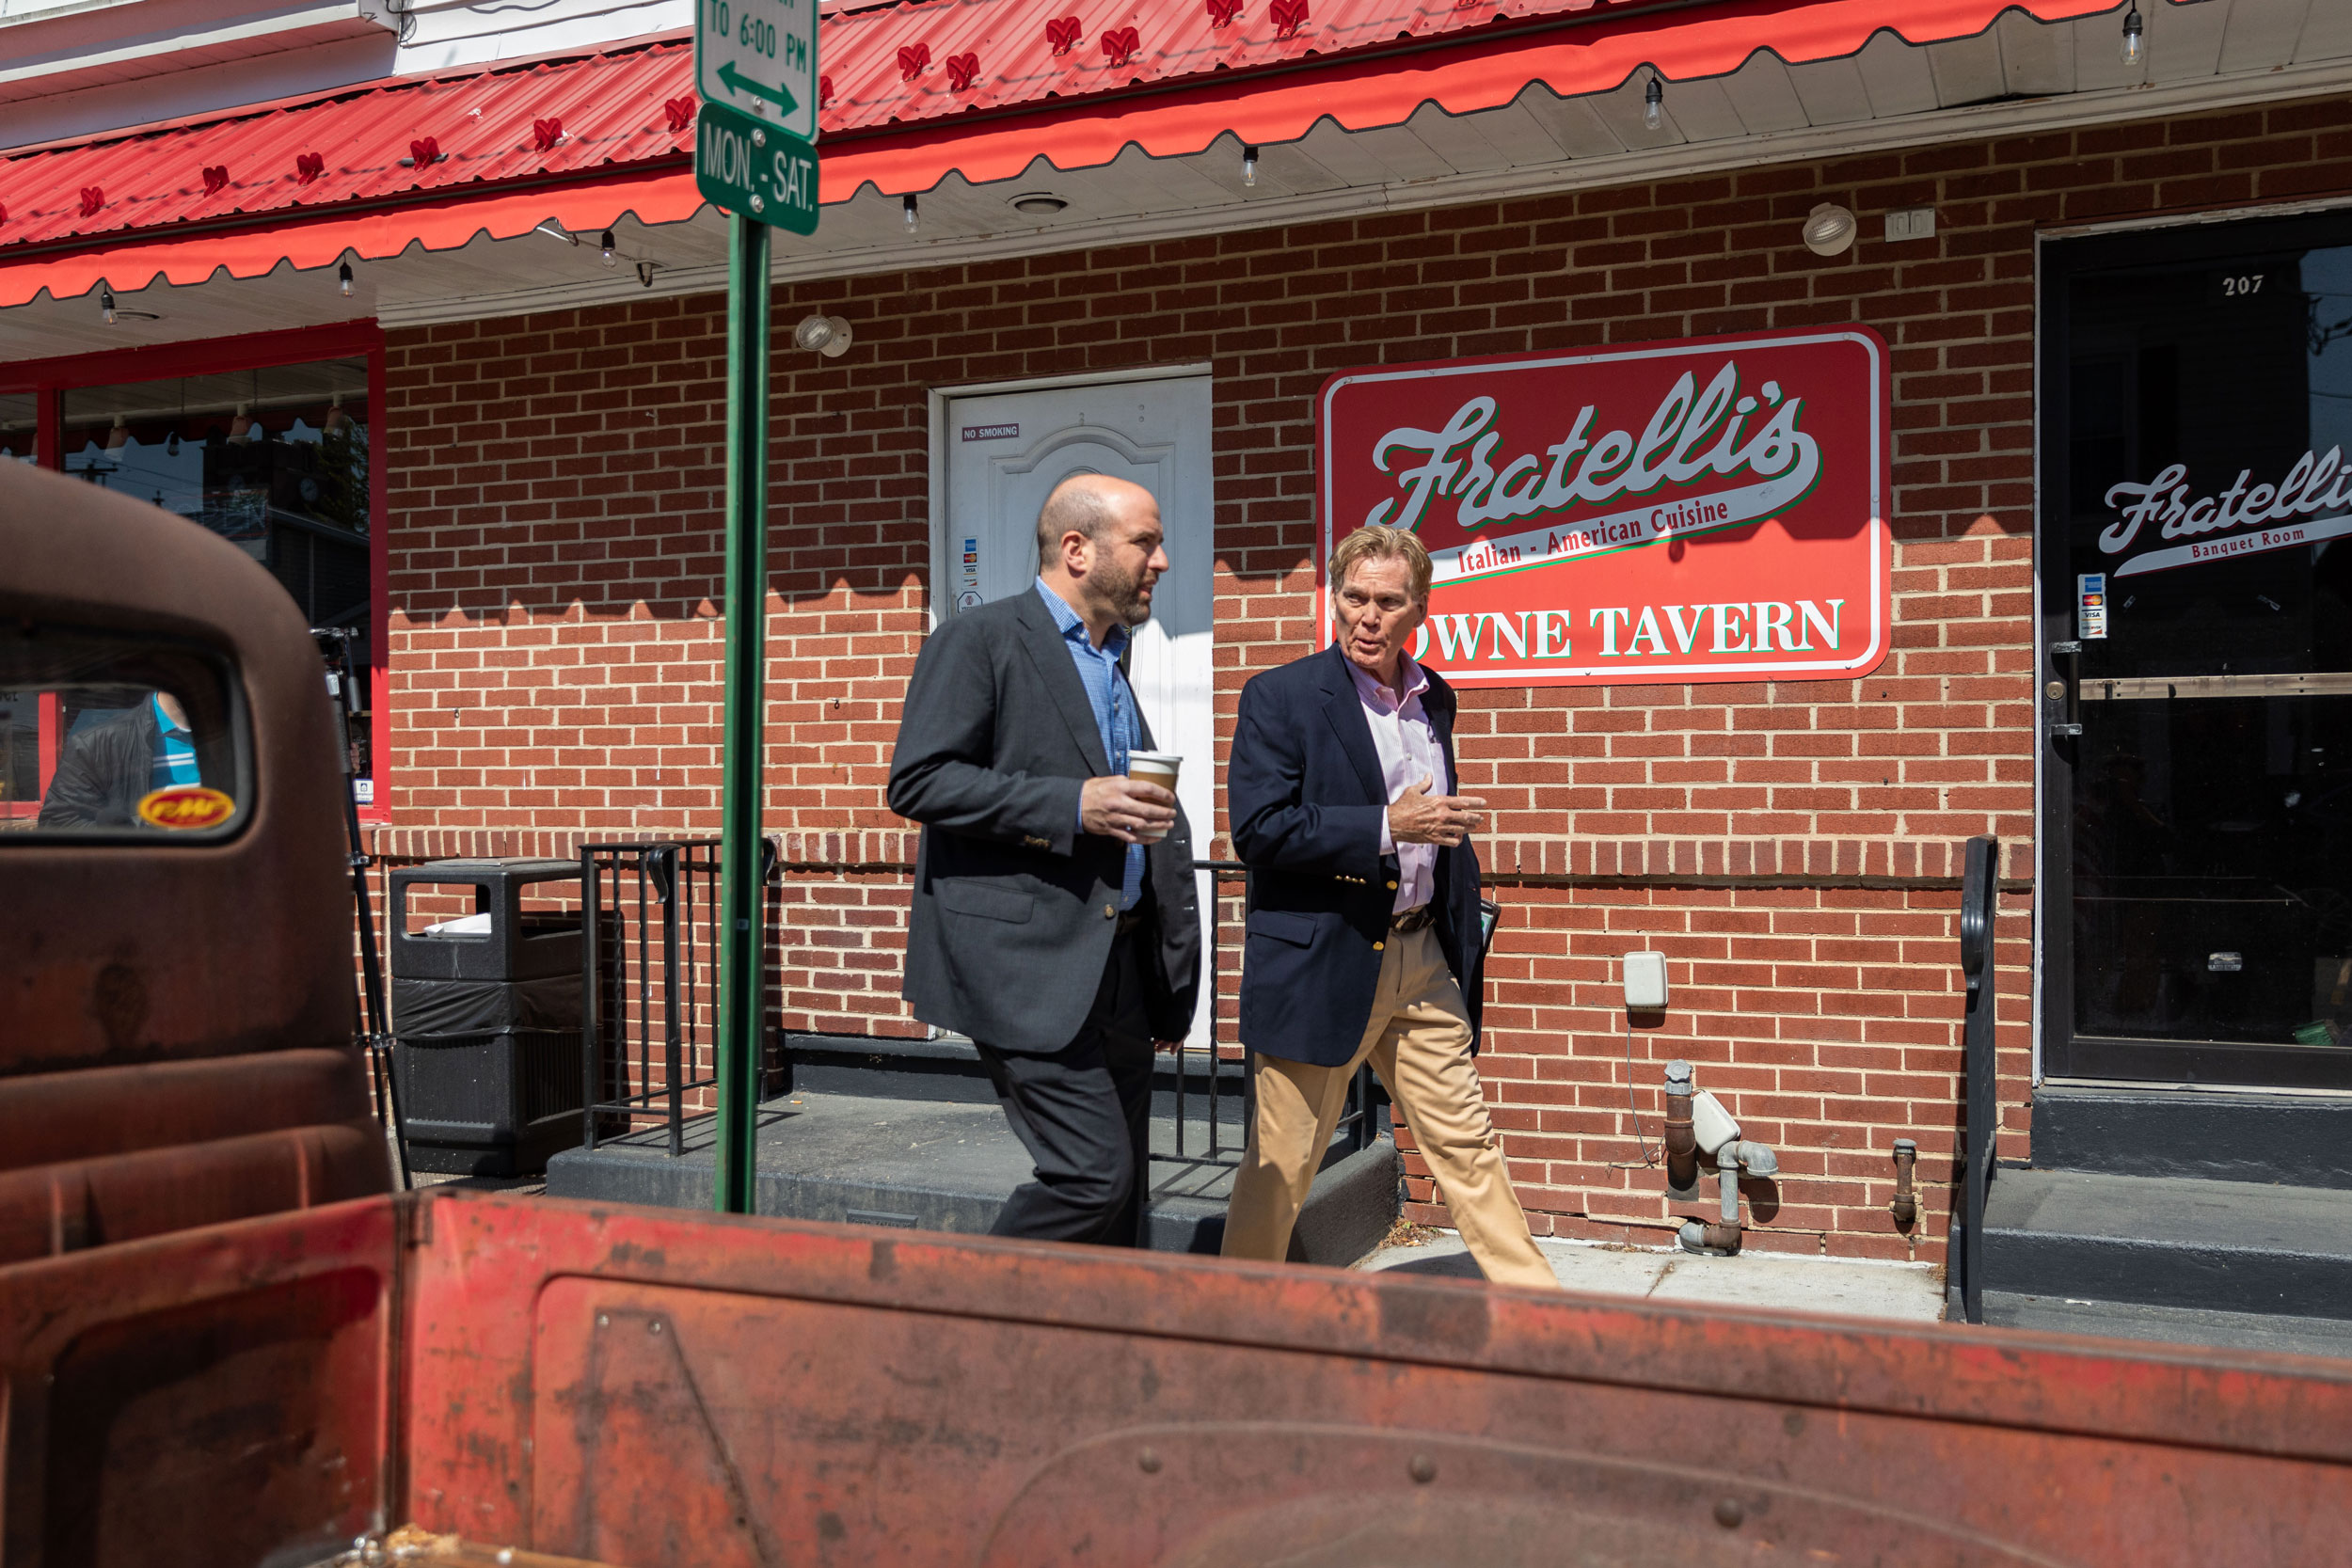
<point x="182" y="808"/>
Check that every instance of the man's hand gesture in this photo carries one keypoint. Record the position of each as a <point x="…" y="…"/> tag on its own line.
<point x="1126" y="810"/>
<point x="1417" y="816"/>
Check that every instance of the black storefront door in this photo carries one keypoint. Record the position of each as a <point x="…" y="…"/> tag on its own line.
<point x="2194" y="551"/>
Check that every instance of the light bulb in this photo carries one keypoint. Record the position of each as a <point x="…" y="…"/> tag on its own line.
<point x="1654" y="104"/>
<point x="907" y="207"/>
<point x="825" y="335"/>
<point x="2134" y="37"/>
<point x="1249" y="166"/>
<point x="1829" y="229"/>
<point x="106" y="302"/>
<point x="342" y="278"/>
<point x="606" y="242"/>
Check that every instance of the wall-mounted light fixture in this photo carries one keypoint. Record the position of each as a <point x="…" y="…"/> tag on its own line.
<point x="821" y="334"/>
<point x="1829" y="229"/>
<point x="1039" y="204"/>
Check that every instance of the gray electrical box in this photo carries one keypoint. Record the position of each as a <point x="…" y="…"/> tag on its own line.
<point x="1644" y="982"/>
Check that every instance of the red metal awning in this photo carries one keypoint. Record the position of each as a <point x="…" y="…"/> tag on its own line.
<point x="917" y="91"/>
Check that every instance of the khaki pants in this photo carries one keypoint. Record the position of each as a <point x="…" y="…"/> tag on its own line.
<point x="1418" y="1041"/>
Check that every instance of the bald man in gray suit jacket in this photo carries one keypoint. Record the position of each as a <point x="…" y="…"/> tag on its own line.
<point x="1054" y="920"/>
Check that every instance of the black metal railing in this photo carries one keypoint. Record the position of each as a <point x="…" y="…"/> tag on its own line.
<point x="649" y="1024"/>
<point x="1212" y="969"/>
<point x="1980" y="903"/>
<point x="1358" y="1123"/>
<point x="653" y="936"/>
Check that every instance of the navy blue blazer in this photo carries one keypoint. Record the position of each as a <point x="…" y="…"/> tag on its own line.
<point x="1306" y="795"/>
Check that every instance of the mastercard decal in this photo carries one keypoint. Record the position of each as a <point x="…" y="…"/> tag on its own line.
<point x="184" y="807"/>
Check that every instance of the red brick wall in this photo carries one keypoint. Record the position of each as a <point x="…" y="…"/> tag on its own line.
<point x="1790" y="845"/>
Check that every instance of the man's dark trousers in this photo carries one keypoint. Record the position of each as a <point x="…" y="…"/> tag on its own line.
<point x="1083" y="1112"/>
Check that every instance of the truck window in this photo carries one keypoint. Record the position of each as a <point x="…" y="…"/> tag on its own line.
<point x="112" y="737"/>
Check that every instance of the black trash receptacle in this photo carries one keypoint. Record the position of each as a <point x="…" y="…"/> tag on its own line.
<point x="487" y="1013"/>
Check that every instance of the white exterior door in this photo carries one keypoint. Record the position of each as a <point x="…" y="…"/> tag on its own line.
<point x="1006" y="451"/>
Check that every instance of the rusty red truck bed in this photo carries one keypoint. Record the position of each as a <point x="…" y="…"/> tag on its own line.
<point x="668" y="1390"/>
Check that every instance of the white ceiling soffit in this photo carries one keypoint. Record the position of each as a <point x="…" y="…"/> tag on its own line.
<point x="2019" y="76"/>
<point x="60" y="48"/>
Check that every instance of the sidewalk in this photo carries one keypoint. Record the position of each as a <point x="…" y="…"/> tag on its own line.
<point x="1854" y="1287"/>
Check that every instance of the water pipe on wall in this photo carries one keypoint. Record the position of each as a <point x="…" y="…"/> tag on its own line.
<point x="1713" y="1133"/>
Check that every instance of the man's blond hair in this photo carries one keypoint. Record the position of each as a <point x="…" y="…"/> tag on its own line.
<point x="1378" y="541"/>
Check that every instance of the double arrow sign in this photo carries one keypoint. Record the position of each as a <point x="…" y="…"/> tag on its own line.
<point x="737" y="83"/>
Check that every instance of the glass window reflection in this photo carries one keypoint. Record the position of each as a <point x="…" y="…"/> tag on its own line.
<point x="109" y="734"/>
<point x="275" y="461"/>
<point x="19" y="418"/>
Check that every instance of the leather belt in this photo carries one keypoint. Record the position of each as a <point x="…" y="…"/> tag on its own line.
<point x="1414" y="919"/>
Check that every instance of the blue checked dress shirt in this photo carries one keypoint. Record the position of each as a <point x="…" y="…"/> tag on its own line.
<point x="1114" y="704"/>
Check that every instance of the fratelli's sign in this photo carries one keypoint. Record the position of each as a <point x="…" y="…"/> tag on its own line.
<point x="1707" y="510"/>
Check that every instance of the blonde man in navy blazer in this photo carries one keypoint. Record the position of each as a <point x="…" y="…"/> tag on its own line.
<point x="1363" y="927"/>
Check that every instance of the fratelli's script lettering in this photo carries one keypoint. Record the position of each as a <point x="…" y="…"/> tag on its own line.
<point x="1692" y="437"/>
<point x="2318" y="482"/>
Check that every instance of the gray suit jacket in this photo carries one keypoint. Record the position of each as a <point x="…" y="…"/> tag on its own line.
<point x="1014" y="909"/>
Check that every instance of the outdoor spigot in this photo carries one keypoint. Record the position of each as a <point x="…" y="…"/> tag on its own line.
<point x="1732" y="1158"/>
<point x="1683" y="1144"/>
<point x="1720" y="1240"/>
<point x="1905" y="1208"/>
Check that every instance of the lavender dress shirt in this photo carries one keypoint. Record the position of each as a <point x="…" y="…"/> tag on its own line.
<point x="1409" y="754"/>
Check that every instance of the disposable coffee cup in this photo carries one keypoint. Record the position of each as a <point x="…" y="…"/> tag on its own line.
<point x="1155" y="768"/>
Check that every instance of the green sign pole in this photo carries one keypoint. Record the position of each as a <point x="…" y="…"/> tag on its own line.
<point x="754" y="159"/>
<point x="740" y="968"/>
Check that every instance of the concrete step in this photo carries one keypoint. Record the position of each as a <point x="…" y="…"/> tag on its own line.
<point x="880" y="1067"/>
<point x="2171" y="1326"/>
<point x="2298" y="1140"/>
<point x="2170" y="1242"/>
<point x="947" y="1164"/>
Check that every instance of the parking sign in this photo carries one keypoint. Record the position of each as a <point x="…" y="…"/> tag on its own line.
<point x="759" y="58"/>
